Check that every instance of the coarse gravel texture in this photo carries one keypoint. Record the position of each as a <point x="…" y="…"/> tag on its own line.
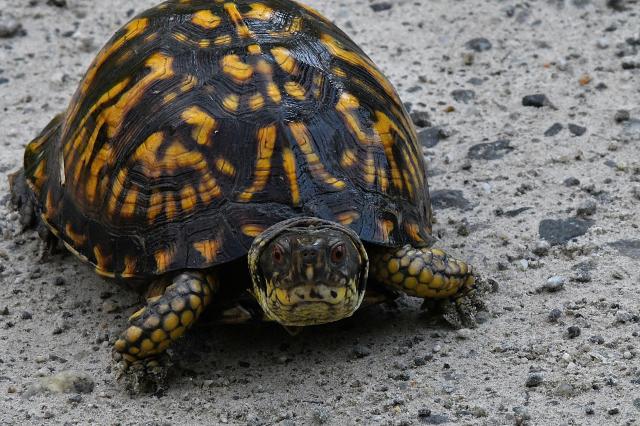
<point x="560" y="341"/>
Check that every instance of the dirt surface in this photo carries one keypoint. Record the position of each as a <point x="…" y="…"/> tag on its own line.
<point x="560" y="341"/>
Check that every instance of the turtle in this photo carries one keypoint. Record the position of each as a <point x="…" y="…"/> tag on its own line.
<point x="242" y="155"/>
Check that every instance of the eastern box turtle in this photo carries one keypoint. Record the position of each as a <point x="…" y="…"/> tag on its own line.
<point x="208" y="136"/>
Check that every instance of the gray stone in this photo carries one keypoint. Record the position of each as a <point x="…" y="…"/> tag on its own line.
<point x="553" y="130"/>
<point x="464" y="96"/>
<point x="538" y="100"/>
<point x="479" y="44"/>
<point x="577" y="130"/>
<point x="432" y="136"/>
<point x="629" y="248"/>
<point x="490" y="151"/>
<point x="534" y="380"/>
<point x="449" y="199"/>
<point x="561" y="231"/>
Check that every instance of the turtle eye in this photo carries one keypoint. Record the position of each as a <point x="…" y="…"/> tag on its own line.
<point x="338" y="252"/>
<point x="277" y="252"/>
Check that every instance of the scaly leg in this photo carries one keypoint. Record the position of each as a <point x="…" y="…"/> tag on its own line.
<point x="160" y="323"/>
<point x="429" y="273"/>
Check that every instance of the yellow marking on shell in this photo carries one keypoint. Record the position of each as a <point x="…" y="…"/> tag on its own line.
<point x="155" y="206"/>
<point x="238" y="70"/>
<point x="158" y="336"/>
<point x="225" y="167"/>
<point x="78" y="239"/>
<point x="169" y="206"/>
<point x="78" y="137"/>
<point x="182" y="38"/>
<point x="295" y="90"/>
<point x="234" y="14"/>
<point x="208" y="249"/>
<point x="129" y="204"/>
<point x="132" y="334"/>
<point x="190" y="81"/>
<point x="222" y="40"/>
<point x="206" y="19"/>
<point x="414" y="231"/>
<point x="203" y="123"/>
<point x="383" y="180"/>
<point x="303" y="138"/>
<point x="284" y="59"/>
<point x="256" y="102"/>
<point x="347" y="218"/>
<point x="169" y="98"/>
<point x="294" y="27"/>
<point x="130" y="263"/>
<point x="231" y="103"/>
<point x="259" y="11"/>
<point x="254" y="49"/>
<point x="170" y="322"/>
<point x="291" y="171"/>
<point x="204" y="43"/>
<point x="346" y="106"/>
<point x="132" y="30"/>
<point x="40" y="174"/>
<point x="318" y="81"/>
<point x="348" y="158"/>
<point x="383" y="128"/>
<point x="369" y="169"/>
<point x="102" y="260"/>
<point x="339" y="72"/>
<point x="252" y="230"/>
<point x="163" y="258"/>
<point x="266" y="143"/>
<point x="352" y="58"/>
<point x="113" y="116"/>
<point x="186" y="318"/>
<point x="188" y="198"/>
<point x="274" y="93"/>
<point x="208" y="188"/>
<point x="104" y="157"/>
<point x="50" y="205"/>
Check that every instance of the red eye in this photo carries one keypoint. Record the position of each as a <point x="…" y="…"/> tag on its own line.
<point x="337" y="253"/>
<point x="278" y="253"/>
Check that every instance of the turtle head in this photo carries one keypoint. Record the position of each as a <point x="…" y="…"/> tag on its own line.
<point x="307" y="271"/>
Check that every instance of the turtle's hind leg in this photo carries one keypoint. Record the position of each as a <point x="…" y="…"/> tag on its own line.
<point x="140" y="350"/>
<point x="430" y="274"/>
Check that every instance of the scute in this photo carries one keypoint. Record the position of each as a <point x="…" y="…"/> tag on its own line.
<point x="202" y="123"/>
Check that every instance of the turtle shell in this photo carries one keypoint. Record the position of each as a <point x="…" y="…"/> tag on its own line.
<point x="202" y="123"/>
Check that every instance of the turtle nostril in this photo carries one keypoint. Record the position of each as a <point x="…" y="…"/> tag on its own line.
<point x="309" y="255"/>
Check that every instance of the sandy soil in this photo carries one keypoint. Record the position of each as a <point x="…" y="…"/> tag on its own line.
<point x="560" y="341"/>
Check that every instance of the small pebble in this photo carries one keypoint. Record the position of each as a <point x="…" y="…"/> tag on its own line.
<point x="542" y="248"/>
<point x="589" y="411"/>
<point x="587" y="209"/>
<point x="479" y="44"/>
<point x="553" y="284"/>
<point x="9" y="27"/>
<point x="538" y="101"/>
<point x="26" y="315"/>
<point x="621" y="116"/>
<point x="360" y="351"/>
<point x="613" y="411"/>
<point x="534" y="380"/>
<point x="553" y="130"/>
<point x="554" y="315"/>
<point x="571" y="181"/>
<point x="421" y="118"/>
<point x="602" y="43"/>
<point x="573" y="332"/>
<point x="577" y="130"/>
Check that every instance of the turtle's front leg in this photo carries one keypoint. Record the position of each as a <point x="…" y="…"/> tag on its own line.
<point x="429" y="273"/>
<point x="166" y="317"/>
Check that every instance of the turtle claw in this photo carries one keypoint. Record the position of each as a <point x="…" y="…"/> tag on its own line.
<point x="145" y="376"/>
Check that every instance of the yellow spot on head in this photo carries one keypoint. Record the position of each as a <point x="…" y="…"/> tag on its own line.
<point x="206" y="19"/>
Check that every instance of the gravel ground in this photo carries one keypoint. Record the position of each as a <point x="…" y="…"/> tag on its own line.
<point x="541" y="193"/>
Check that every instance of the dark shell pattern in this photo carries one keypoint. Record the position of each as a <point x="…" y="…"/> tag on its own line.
<point x="202" y="123"/>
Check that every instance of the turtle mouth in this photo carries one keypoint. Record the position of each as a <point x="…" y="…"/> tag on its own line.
<point x="310" y="304"/>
